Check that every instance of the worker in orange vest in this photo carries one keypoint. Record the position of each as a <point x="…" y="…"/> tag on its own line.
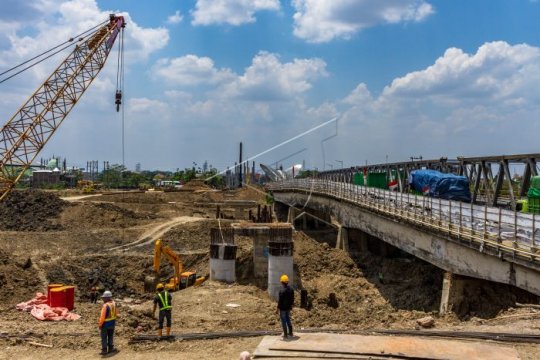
<point x="107" y="321"/>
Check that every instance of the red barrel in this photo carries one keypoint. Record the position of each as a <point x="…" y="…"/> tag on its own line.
<point x="49" y="287"/>
<point x="70" y="296"/>
<point x="58" y="297"/>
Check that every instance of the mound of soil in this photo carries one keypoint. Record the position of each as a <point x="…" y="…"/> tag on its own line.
<point x="122" y="274"/>
<point x="191" y="236"/>
<point x="149" y="197"/>
<point x="18" y="279"/>
<point x="31" y="210"/>
<point x="484" y="299"/>
<point x="407" y="282"/>
<point x="314" y="259"/>
<point x="196" y="184"/>
<point x="103" y="214"/>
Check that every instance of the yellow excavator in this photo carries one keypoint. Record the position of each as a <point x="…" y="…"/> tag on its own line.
<point x="180" y="280"/>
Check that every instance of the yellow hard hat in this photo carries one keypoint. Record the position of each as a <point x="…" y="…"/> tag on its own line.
<point x="284" y="278"/>
<point x="159" y="286"/>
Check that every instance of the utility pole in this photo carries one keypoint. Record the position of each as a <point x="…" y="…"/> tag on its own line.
<point x="240" y="166"/>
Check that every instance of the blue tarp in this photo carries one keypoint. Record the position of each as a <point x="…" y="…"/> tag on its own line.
<point x="437" y="184"/>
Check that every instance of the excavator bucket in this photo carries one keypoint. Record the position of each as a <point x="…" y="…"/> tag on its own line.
<point x="150" y="283"/>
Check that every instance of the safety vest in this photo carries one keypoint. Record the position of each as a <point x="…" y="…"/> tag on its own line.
<point x="164" y="299"/>
<point x="112" y="311"/>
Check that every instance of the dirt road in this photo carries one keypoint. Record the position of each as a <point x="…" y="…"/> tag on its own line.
<point x="155" y="232"/>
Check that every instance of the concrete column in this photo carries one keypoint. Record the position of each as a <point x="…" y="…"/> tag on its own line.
<point x="304" y="221"/>
<point x="291" y="215"/>
<point x="260" y="252"/>
<point x="342" y="239"/>
<point x="452" y="293"/>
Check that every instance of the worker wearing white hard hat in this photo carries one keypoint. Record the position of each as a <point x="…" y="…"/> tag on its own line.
<point x="107" y="322"/>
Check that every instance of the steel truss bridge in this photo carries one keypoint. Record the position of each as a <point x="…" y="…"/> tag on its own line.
<point x="490" y="176"/>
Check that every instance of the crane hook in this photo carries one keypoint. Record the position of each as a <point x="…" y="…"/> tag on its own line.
<point x="118" y="100"/>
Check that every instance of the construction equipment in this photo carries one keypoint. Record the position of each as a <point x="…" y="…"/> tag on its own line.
<point x="27" y="132"/>
<point x="87" y="186"/>
<point x="180" y="280"/>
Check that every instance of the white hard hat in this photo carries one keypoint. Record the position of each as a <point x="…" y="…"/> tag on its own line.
<point x="107" y="294"/>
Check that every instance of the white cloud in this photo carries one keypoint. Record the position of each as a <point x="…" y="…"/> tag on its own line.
<point x="498" y="72"/>
<point x="190" y="70"/>
<point x="176" y="18"/>
<point x="232" y="12"/>
<point x="463" y="104"/>
<point x="322" y="21"/>
<point x="268" y="79"/>
<point x="73" y="17"/>
<point x="148" y="106"/>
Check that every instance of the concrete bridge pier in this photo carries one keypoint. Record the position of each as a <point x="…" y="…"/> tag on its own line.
<point x="291" y="214"/>
<point x="342" y="238"/>
<point x="452" y="292"/>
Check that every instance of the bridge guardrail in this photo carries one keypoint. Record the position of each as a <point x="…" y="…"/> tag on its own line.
<point x="484" y="227"/>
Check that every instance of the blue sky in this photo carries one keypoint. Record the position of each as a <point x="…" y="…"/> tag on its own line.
<point x="404" y="78"/>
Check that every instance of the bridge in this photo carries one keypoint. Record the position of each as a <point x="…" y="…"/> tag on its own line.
<point x="464" y="239"/>
<point x="490" y="175"/>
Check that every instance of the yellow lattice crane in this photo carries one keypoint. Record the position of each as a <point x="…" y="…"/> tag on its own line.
<point x="27" y="132"/>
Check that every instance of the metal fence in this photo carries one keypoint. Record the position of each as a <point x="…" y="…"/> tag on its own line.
<point x="483" y="227"/>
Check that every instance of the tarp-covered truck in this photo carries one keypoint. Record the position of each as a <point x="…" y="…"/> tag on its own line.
<point x="440" y="185"/>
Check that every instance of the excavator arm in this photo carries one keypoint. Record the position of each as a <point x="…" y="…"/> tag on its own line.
<point x="180" y="280"/>
<point x="27" y="132"/>
<point x="161" y="249"/>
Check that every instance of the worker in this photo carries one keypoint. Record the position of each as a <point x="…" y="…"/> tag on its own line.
<point x="285" y="304"/>
<point x="93" y="295"/>
<point x="164" y="300"/>
<point x="107" y="322"/>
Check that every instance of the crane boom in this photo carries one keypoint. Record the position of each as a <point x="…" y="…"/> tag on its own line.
<point x="27" y="132"/>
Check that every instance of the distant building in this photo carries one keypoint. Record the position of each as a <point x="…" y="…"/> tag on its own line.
<point x="138" y="167"/>
<point x="41" y="178"/>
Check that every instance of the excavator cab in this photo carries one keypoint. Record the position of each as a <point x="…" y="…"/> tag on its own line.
<point x="180" y="280"/>
<point x="187" y="279"/>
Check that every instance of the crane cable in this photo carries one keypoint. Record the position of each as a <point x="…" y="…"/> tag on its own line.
<point x="80" y="37"/>
<point x="119" y="104"/>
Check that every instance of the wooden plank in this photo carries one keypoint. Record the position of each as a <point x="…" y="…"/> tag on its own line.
<point x="263" y="352"/>
<point x="400" y="346"/>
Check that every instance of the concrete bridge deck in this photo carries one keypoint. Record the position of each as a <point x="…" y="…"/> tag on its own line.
<point x="465" y="239"/>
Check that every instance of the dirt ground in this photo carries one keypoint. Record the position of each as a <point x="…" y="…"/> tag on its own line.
<point x="107" y="241"/>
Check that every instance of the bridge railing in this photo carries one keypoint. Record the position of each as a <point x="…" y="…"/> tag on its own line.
<point x="483" y="227"/>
